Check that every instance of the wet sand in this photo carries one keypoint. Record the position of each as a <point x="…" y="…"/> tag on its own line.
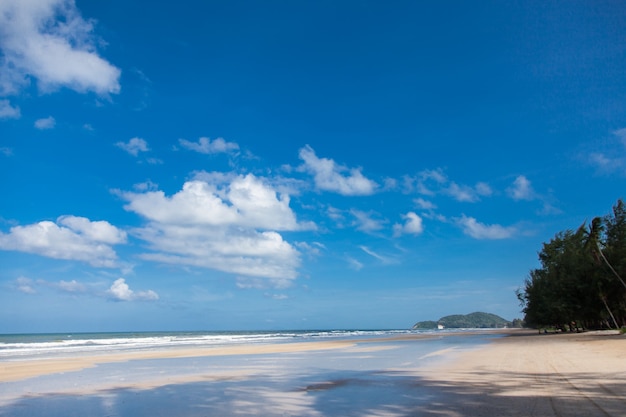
<point x="523" y="374"/>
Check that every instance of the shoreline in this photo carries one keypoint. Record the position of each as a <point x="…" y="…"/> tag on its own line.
<point x="18" y="369"/>
<point x="493" y="374"/>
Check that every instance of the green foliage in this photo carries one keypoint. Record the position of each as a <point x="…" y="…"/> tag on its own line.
<point x="425" y="325"/>
<point x="579" y="282"/>
<point x="476" y="320"/>
<point x="518" y="323"/>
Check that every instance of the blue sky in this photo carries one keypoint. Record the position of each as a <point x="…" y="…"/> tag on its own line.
<point x="292" y="165"/>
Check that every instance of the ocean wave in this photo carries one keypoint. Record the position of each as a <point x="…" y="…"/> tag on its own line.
<point x="29" y="345"/>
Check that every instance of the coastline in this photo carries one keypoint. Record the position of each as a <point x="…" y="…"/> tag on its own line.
<point x="503" y="373"/>
<point x="32" y="367"/>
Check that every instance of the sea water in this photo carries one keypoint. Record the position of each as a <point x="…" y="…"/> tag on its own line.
<point x="377" y="375"/>
<point x="28" y="346"/>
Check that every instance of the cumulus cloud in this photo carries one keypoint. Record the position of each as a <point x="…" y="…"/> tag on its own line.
<point x="120" y="291"/>
<point x="206" y="146"/>
<point x="477" y="230"/>
<point x="7" y="111"/>
<point x="45" y="123"/>
<point x="134" y="146"/>
<point x="230" y="224"/>
<point x="521" y="189"/>
<point x="245" y="201"/>
<point x="70" y="238"/>
<point x="49" y="40"/>
<point x="413" y="225"/>
<point x="329" y="176"/>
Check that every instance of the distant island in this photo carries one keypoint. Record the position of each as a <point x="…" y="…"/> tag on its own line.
<point x="477" y="320"/>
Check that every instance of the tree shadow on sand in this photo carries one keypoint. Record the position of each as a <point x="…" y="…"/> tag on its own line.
<point x="346" y="394"/>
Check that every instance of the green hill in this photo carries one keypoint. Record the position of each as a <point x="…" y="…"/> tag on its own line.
<point x="477" y="320"/>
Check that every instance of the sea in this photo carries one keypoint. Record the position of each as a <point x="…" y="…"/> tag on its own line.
<point x="29" y="346"/>
<point x="379" y="377"/>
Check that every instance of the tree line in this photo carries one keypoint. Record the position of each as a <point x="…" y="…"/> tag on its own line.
<point x="580" y="284"/>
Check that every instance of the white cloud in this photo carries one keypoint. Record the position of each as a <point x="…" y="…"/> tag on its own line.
<point x="72" y="286"/>
<point x="329" y="176"/>
<point x="277" y="296"/>
<point x="25" y="285"/>
<point x="461" y="192"/>
<point x="431" y="182"/>
<point x="435" y="175"/>
<point x="154" y="161"/>
<point x="383" y="259"/>
<point x="97" y="231"/>
<point x="246" y="201"/>
<point x="232" y="250"/>
<point x="603" y="162"/>
<point x="365" y="221"/>
<point x="261" y="283"/>
<point x="521" y="189"/>
<point x="466" y="193"/>
<point x="612" y="158"/>
<point x="424" y="181"/>
<point x="413" y="225"/>
<point x="71" y="238"/>
<point x="50" y="41"/>
<point x="6" y="151"/>
<point x="621" y="134"/>
<point x="45" y="123"/>
<point x="336" y="215"/>
<point x="313" y="249"/>
<point x="134" y="146"/>
<point x="424" y="204"/>
<point x="120" y="291"/>
<point x="354" y="264"/>
<point x="7" y="111"/>
<point x="146" y="186"/>
<point x="206" y="146"/>
<point x="229" y="226"/>
<point x="477" y="230"/>
<point x="483" y="189"/>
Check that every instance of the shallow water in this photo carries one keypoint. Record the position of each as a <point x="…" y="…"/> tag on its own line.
<point x="372" y="377"/>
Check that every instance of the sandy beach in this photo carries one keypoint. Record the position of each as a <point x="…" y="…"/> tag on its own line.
<point x="521" y="374"/>
<point x="530" y="374"/>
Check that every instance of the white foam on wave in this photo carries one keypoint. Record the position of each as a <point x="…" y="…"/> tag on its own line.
<point x="90" y="343"/>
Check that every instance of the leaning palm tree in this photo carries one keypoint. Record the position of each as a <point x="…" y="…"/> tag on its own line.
<point x="593" y="243"/>
<point x="592" y="246"/>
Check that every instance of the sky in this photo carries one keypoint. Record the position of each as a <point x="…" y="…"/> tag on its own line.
<point x="262" y="165"/>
